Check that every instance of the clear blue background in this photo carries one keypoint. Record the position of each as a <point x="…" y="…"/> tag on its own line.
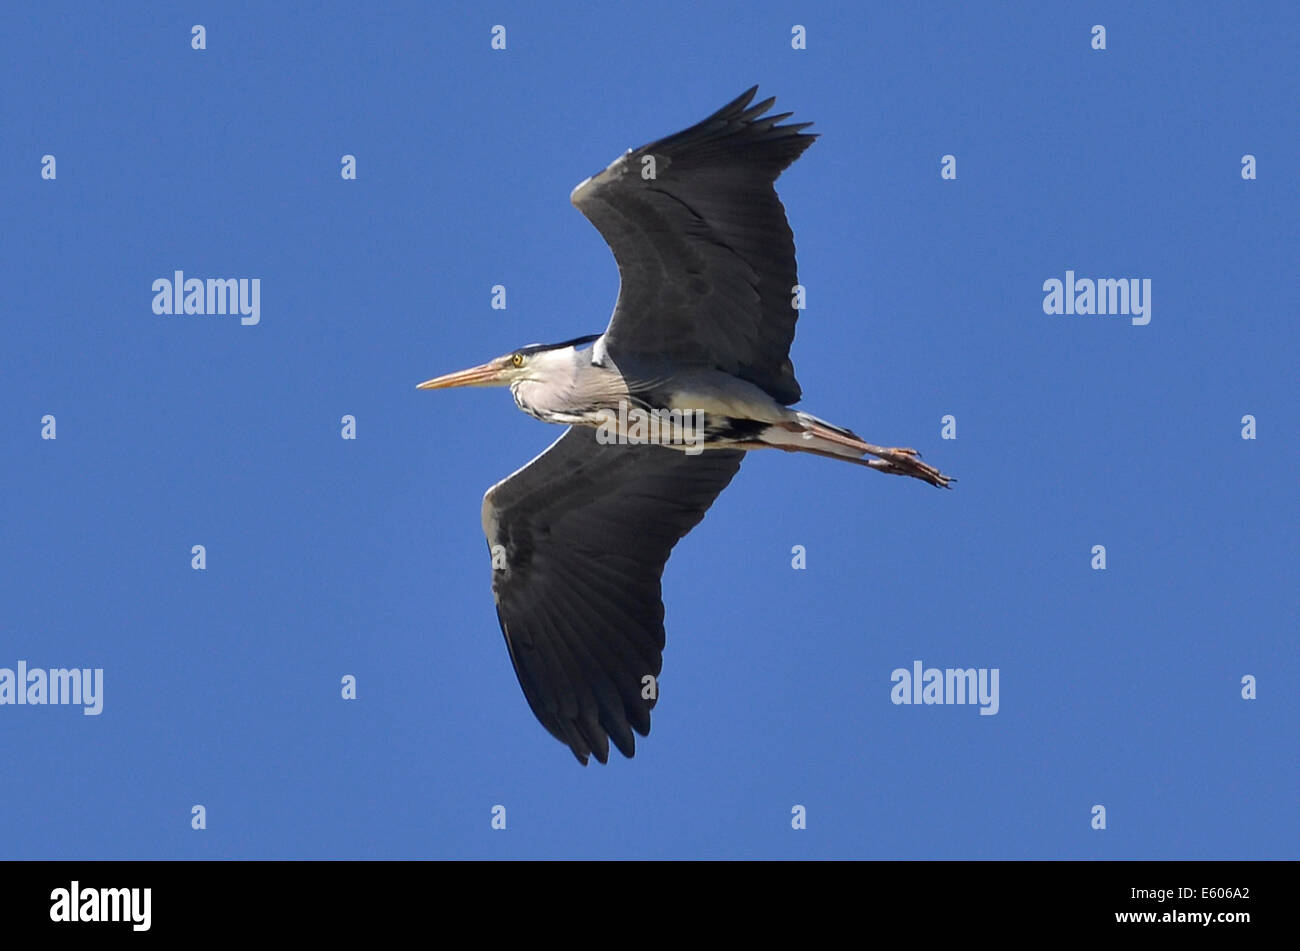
<point x="329" y="557"/>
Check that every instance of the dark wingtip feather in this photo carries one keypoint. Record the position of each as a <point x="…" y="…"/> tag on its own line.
<point x="625" y="743"/>
<point x="753" y="111"/>
<point x="742" y="100"/>
<point x="738" y="133"/>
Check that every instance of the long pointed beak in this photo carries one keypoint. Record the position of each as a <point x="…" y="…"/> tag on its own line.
<point x="489" y="374"/>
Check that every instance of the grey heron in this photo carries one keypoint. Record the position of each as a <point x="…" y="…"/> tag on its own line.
<point x="692" y="372"/>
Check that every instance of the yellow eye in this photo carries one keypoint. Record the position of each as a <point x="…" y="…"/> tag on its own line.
<point x="517" y="360"/>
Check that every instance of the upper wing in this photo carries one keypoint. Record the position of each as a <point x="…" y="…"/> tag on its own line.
<point x="705" y="254"/>
<point x="586" y="530"/>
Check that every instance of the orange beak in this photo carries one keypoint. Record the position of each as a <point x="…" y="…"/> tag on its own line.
<point x="489" y="374"/>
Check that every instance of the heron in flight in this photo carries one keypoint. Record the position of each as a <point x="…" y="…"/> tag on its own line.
<point x="692" y="372"/>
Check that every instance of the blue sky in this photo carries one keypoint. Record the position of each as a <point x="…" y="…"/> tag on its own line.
<point x="328" y="557"/>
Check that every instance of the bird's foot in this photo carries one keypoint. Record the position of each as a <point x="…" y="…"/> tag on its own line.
<point x="907" y="462"/>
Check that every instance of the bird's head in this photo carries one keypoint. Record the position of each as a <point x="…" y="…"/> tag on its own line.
<point x="499" y="372"/>
<point x="526" y="363"/>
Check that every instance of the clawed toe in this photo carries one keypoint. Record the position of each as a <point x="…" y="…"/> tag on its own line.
<point x="907" y="462"/>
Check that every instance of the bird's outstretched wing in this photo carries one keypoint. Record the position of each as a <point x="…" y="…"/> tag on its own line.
<point x="705" y="254"/>
<point x="584" y="531"/>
